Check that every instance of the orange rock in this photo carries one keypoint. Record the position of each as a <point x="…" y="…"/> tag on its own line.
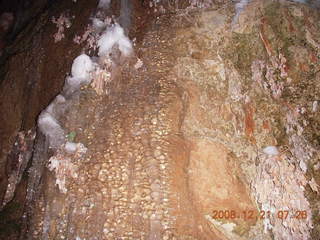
<point x="289" y="19"/>
<point x="249" y="122"/>
<point x="266" y="125"/>
<point x="304" y="67"/>
<point x="264" y="39"/>
<point x="215" y="181"/>
<point x="313" y="58"/>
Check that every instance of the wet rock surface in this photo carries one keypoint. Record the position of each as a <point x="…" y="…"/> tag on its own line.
<point x="183" y="130"/>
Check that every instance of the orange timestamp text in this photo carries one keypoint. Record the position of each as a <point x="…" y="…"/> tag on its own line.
<point x="255" y="215"/>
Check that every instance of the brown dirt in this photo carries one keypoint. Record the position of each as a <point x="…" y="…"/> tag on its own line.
<point x="172" y="142"/>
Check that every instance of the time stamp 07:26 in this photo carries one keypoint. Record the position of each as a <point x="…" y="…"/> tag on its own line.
<point x="251" y="214"/>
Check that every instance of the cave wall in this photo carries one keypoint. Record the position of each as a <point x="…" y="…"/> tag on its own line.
<point x="236" y="90"/>
<point x="33" y="69"/>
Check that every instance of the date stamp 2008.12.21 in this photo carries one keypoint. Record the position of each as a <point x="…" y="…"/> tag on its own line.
<point x="255" y="215"/>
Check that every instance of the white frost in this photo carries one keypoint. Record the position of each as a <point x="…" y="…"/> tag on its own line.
<point x="57" y="106"/>
<point x="71" y="147"/>
<point x="81" y="67"/>
<point x="50" y="127"/>
<point x="239" y="7"/>
<point x="303" y="166"/>
<point x="114" y="35"/>
<point x="125" y="46"/>
<point x="74" y="83"/>
<point x="80" y="71"/>
<point x="104" y="4"/>
<point x="98" y="25"/>
<point x="271" y="150"/>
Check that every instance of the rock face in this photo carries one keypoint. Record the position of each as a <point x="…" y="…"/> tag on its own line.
<point x="32" y="72"/>
<point x="209" y="131"/>
<point x="243" y="92"/>
<point x="215" y="183"/>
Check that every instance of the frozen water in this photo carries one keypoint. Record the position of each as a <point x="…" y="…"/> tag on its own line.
<point x="50" y="127"/>
<point x="104" y="4"/>
<point x="114" y="35"/>
<point x="57" y="107"/>
<point x="70" y="147"/>
<point x="271" y="150"/>
<point x="81" y="67"/>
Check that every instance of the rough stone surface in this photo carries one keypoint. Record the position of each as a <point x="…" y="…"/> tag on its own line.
<point x="179" y="138"/>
